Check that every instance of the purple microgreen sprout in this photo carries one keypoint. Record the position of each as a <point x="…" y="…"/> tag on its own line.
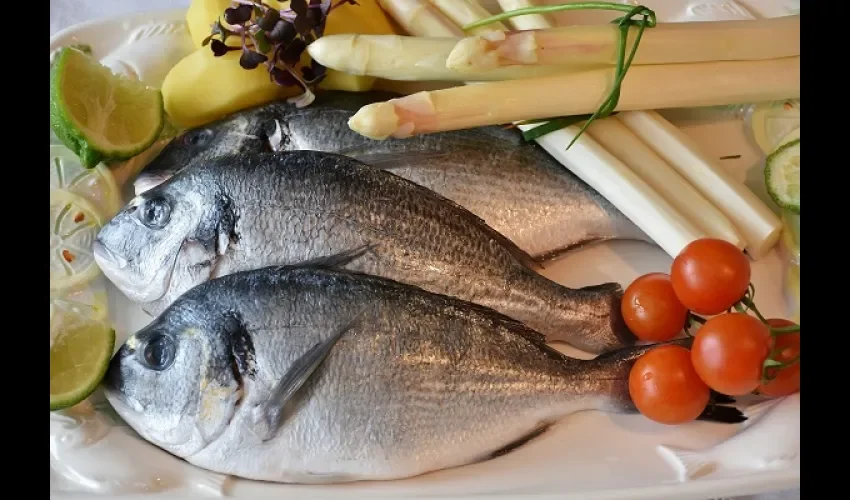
<point x="277" y="39"/>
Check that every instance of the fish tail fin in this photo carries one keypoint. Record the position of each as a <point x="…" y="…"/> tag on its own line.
<point x="608" y="375"/>
<point x="590" y="318"/>
<point x="688" y="464"/>
<point x="207" y="483"/>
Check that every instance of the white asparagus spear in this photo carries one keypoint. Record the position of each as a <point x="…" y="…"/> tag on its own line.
<point x="759" y="225"/>
<point x="644" y="87"/>
<point x="527" y="22"/>
<point x="420" y="18"/>
<point x="636" y="198"/>
<point x="625" y="190"/>
<point x="463" y="12"/>
<point x="633" y="196"/>
<point x="666" y="43"/>
<point x="627" y="147"/>
<point x="409" y="58"/>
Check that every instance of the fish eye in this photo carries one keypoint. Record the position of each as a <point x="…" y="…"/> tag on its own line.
<point x="155" y="213"/>
<point x="158" y="352"/>
<point x="198" y="138"/>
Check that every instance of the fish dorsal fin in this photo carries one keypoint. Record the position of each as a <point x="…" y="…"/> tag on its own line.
<point x="516" y="252"/>
<point x="271" y="414"/>
<point x="334" y="261"/>
<point x="393" y="159"/>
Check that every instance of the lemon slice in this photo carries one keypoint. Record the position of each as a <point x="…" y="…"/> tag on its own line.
<point x="98" y="115"/>
<point x="74" y="224"/>
<point x="79" y="358"/>
<point x="96" y="185"/>
<point x="772" y="121"/>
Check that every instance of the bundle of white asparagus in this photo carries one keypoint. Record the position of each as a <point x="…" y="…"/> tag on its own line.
<point x="640" y="162"/>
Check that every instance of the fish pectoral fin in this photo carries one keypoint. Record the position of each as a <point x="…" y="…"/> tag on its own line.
<point x="337" y="260"/>
<point x="275" y="140"/>
<point x="687" y="464"/>
<point x="226" y="227"/>
<point x="272" y="413"/>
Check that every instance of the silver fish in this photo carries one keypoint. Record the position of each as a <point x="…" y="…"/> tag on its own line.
<point x="312" y="375"/>
<point x="516" y="187"/>
<point x="236" y="213"/>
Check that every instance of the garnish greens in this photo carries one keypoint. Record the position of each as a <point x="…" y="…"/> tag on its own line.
<point x="276" y="38"/>
<point x="647" y="20"/>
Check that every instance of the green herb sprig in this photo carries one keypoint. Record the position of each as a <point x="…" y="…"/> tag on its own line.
<point x="647" y="20"/>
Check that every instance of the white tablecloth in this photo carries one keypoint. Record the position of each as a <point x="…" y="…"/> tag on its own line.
<point x="64" y="13"/>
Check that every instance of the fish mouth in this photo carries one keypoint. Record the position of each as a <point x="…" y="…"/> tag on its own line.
<point x="113" y="264"/>
<point x="104" y="255"/>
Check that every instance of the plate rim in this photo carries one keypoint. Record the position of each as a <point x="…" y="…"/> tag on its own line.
<point x="734" y="486"/>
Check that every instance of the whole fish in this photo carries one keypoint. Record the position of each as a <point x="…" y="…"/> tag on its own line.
<point x="515" y="186"/>
<point x="310" y="374"/>
<point x="236" y="213"/>
<point x="769" y="440"/>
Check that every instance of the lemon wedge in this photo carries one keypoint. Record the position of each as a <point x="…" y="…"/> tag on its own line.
<point x="100" y="115"/>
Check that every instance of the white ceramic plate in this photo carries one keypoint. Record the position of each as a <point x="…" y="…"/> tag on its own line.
<point x="589" y="455"/>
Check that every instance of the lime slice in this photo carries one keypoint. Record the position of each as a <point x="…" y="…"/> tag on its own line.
<point x="78" y="361"/>
<point x="74" y="224"/>
<point x="98" y="115"/>
<point x="97" y="185"/>
<point x="782" y="176"/>
<point x="771" y="121"/>
<point x="79" y="304"/>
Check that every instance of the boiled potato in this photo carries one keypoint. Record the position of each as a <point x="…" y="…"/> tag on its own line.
<point x="203" y="88"/>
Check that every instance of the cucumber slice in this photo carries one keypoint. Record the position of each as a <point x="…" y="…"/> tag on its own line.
<point x="782" y="176"/>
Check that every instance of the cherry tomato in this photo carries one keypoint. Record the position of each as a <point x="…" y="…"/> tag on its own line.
<point x="787" y="380"/>
<point x="665" y="388"/>
<point x="710" y="276"/>
<point x="728" y="353"/>
<point x="651" y="310"/>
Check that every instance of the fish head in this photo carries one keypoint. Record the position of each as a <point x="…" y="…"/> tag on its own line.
<point x="278" y="126"/>
<point x="235" y="134"/>
<point x="164" y="241"/>
<point x="174" y="381"/>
